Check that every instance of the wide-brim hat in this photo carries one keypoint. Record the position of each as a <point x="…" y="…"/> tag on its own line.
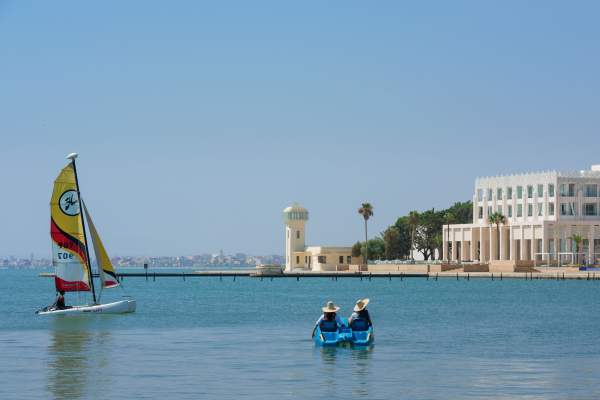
<point x="361" y="304"/>
<point x="330" y="307"/>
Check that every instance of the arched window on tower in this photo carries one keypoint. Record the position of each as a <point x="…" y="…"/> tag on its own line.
<point x="297" y="234"/>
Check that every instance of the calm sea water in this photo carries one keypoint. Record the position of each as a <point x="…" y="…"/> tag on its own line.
<point x="250" y="339"/>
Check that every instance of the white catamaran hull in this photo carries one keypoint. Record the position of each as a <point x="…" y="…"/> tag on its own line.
<point x="117" y="307"/>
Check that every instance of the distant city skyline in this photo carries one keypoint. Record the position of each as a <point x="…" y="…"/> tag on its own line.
<point x="197" y="125"/>
<point x="195" y="260"/>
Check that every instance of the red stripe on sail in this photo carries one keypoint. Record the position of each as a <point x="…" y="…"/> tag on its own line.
<point x="110" y="284"/>
<point x="77" y="286"/>
<point x="66" y="241"/>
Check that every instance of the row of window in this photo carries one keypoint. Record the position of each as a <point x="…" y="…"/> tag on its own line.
<point x="566" y="190"/>
<point x="323" y="259"/>
<point x="570" y="209"/>
<point x="297" y="215"/>
<point x="566" y="209"/>
<point x="509" y="192"/>
<point x="519" y="214"/>
<point x="569" y="190"/>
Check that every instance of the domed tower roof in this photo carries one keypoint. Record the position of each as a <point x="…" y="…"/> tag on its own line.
<point x="295" y="212"/>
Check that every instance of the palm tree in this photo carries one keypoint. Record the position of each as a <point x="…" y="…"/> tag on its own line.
<point x="413" y="221"/>
<point x="366" y="210"/>
<point x="497" y="218"/>
<point x="577" y="239"/>
<point x="448" y="219"/>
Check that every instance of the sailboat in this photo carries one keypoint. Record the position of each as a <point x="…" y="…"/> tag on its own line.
<point x="70" y="251"/>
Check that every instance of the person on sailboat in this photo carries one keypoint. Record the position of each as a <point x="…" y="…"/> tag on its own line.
<point x="59" y="303"/>
<point x="360" y="312"/>
<point x="329" y="321"/>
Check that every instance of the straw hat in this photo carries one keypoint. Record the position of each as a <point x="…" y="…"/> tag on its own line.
<point x="361" y="304"/>
<point x="330" y="307"/>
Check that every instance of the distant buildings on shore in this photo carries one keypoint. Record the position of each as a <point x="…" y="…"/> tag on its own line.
<point x="220" y="259"/>
<point x="545" y="212"/>
<point x="315" y="258"/>
<point x="238" y="259"/>
<point x="30" y="262"/>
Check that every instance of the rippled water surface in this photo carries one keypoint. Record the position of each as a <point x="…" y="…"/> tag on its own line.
<point x="209" y="338"/>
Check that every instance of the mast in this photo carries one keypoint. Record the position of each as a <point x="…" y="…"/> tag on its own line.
<point x="72" y="157"/>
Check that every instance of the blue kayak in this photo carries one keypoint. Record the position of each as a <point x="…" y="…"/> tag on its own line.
<point x="328" y="334"/>
<point x="363" y="338"/>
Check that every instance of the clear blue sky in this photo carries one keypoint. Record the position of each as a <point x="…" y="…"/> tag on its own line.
<point x="198" y="122"/>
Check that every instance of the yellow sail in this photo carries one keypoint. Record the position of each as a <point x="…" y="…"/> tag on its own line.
<point x="106" y="270"/>
<point x="66" y="231"/>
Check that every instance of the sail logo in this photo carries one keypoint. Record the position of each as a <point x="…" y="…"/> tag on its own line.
<point x="69" y="203"/>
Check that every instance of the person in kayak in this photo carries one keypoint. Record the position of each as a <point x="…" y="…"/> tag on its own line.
<point x="329" y="317"/>
<point x="360" y="312"/>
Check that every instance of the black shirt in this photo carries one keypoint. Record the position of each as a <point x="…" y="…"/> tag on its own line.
<point x="60" y="302"/>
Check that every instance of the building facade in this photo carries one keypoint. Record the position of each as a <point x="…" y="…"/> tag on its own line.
<point x="312" y="258"/>
<point x="543" y="213"/>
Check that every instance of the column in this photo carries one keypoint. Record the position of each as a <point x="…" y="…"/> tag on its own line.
<point x="591" y="246"/>
<point x="533" y="243"/>
<point x="491" y="252"/>
<point x="445" y="247"/>
<point x="482" y="243"/>
<point x="464" y="251"/>
<point x="595" y="233"/>
<point x="454" y="250"/>
<point x="522" y="246"/>
<point x="569" y="245"/>
<point x="511" y="244"/>
<point x="480" y="238"/>
<point x="473" y="244"/>
<point x="545" y="245"/>
<point x="453" y="240"/>
<point x="502" y="245"/>
<point x="556" y="244"/>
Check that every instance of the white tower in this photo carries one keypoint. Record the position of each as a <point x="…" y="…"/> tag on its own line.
<point x="295" y="217"/>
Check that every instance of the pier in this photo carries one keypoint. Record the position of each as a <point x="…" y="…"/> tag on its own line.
<point x="364" y="275"/>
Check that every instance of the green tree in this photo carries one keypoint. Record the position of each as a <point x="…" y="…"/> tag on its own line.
<point x="449" y="218"/>
<point x="392" y="241"/>
<point x="401" y="225"/>
<point x="423" y="231"/>
<point x="413" y="223"/>
<point x="375" y="248"/>
<point x="577" y="239"/>
<point x="462" y="212"/>
<point x="430" y="225"/>
<point x="496" y="218"/>
<point x="357" y="249"/>
<point x="366" y="210"/>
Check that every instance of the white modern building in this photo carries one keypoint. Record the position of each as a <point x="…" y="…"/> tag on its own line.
<point x="312" y="258"/>
<point x="543" y="211"/>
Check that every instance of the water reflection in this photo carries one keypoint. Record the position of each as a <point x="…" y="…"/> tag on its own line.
<point x="341" y="363"/>
<point x="76" y="356"/>
<point x="329" y="378"/>
<point x="361" y="366"/>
